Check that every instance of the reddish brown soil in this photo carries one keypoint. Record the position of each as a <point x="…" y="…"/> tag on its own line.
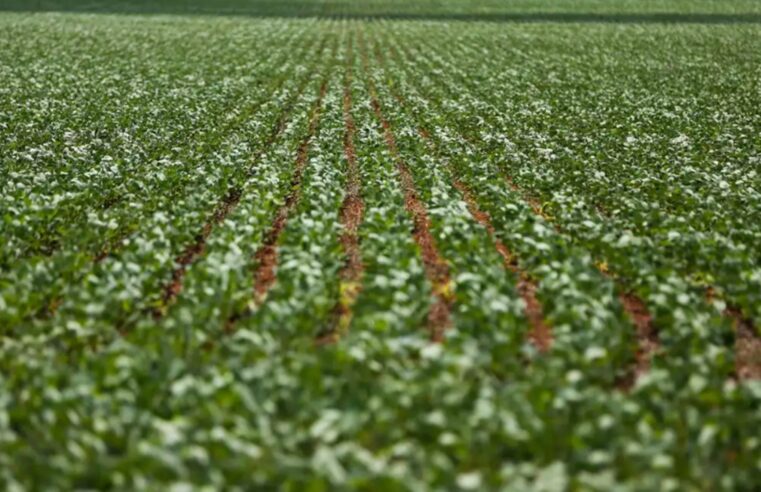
<point x="351" y="214"/>
<point x="437" y="270"/>
<point x="540" y="334"/>
<point x="267" y="257"/>
<point x="647" y="338"/>
<point x="747" y="345"/>
<point x="195" y="249"/>
<point x="747" y="341"/>
<point x="353" y="206"/>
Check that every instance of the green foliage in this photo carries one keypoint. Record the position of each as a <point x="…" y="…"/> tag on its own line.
<point x="609" y="158"/>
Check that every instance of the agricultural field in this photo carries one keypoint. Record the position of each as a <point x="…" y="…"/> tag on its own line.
<point x="380" y="245"/>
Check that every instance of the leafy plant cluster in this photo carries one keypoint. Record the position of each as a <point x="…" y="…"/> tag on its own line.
<point x="592" y="161"/>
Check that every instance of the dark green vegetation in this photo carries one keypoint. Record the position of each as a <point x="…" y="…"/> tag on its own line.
<point x="430" y="253"/>
<point x="625" y="11"/>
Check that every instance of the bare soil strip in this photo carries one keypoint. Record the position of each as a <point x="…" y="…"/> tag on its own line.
<point x="540" y="334"/>
<point x="116" y="244"/>
<point x="634" y="306"/>
<point x="648" y="343"/>
<point x="226" y="205"/>
<point x="747" y="341"/>
<point x="436" y="268"/>
<point x="747" y="346"/>
<point x="351" y="214"/>
<point x="266" y="256"/>
<point x="192" y="251"/>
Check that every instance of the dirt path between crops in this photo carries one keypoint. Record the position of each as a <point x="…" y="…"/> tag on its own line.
<point x="540" y="334"/>
<point x="352" y="211"/>
<point x="436" y="269"/>
<point x="646" y="334"/>
<point x="747" y="342"/>
<point x="635" y="308"/>
<point x="227" y="204"/>
<point x="267" y="257"/>
<point x="192" y="251"/>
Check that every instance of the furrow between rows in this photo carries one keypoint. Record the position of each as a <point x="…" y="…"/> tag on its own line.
<point x="747" y="344"/>
<point x="634" y="307"/>
<point x="747" y="341"/>
<point x="351" y="213"/>
<point x="192" y="251"/>
<point x="227" y="204"/>
<point x="437" y="271"/>
<point x="541" y="333"/>
<point x="266" y="257"/>
<point x="747" y="347"/>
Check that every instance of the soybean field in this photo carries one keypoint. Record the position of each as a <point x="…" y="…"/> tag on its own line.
<point x="380" y="245"/>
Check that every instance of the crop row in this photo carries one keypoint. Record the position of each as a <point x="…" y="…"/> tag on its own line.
<point x="397" y="255"/>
